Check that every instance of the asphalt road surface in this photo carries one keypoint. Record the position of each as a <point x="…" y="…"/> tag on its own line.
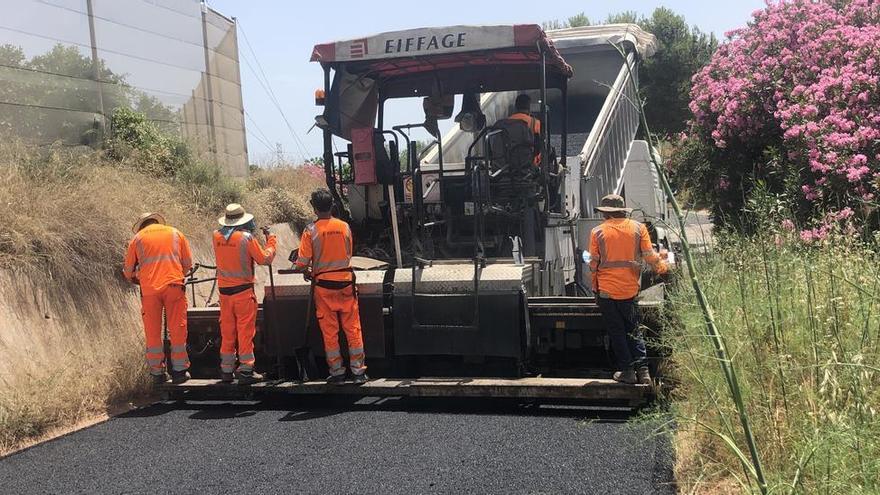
<point x="335" y="446"/>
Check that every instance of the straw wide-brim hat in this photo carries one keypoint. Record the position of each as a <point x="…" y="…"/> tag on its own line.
<point x="234" y="216"/>
<point x="144" y="217"/>
<point x="613" y="203"/>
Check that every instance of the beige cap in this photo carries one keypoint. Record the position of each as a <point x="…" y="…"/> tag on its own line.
<point x="144" y="217"/>
<point x="234" y="216"/>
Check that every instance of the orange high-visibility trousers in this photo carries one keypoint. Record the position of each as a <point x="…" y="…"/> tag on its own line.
<point x="173" y="299"/>
<point x="238" y="325"/>
<point x="333" y="307"/>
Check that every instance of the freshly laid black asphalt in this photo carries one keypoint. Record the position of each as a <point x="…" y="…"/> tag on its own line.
<point x="330" y="446"/>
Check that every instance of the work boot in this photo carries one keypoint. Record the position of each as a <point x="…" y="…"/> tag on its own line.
<point x="159" y="379"/>
<point x="248" y="377"/>
<point x="336" y="380"/>
<point x="360" y="379"/>
<point x="644" y="375"/>
<point x="178" y="377"/>
<point x="227" y="377"/>
<point x="627" y="376"/>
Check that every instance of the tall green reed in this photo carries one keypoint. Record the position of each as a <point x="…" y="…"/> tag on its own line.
<point x="752" y="463"/>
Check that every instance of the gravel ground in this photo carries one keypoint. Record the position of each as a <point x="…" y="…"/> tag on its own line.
<point x="339" y="446"/>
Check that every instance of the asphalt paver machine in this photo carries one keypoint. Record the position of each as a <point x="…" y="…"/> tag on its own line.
<point x="469" y="262"/>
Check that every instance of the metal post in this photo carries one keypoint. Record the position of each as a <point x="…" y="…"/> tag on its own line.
<point x="395" y="229"/>
<point x="545" y="136"/>
<point x="243" y="120"/>
<point x="96" y="67"/>
<point x="564" y="111"/>
<point x="563" y="155"/>
<point x="209" y="92"/>
<point x="380" y="118"/>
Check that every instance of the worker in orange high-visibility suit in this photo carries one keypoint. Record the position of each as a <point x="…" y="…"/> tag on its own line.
<point x="158" y="257"/>
<point x="523" y="106"/>
<point x="618" y="248"/>
<point x="325" y="256"/>
<point x="236" y="250"/>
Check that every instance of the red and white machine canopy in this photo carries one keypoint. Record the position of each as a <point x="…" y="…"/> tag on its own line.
<point x="412" y="51"/>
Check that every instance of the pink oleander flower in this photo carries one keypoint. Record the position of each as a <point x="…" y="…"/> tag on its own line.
<point x="845" y="213"/>
<point x="802" y="79"/>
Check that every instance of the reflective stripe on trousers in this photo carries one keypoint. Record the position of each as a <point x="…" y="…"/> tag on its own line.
<point x="238" y="326"/>
<point x="173" y="300"/>
<point x="332" y="308"/>
<point x="356" y="360"/>
<point x="334" y="363"/>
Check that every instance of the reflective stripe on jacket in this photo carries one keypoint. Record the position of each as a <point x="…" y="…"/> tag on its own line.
<point x="326" y="246"/>
<point x="158" y="256"/>
<point x="618" y="247"/>
<point x="236" y="257"/>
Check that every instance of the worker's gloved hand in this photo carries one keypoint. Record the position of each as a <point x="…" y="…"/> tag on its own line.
<point x="307" y="275"/>
<point x="266" y="231"/>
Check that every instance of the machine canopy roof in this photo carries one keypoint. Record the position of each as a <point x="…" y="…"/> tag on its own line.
<point x="413" y="51"/>
<point x="433" y="61"/>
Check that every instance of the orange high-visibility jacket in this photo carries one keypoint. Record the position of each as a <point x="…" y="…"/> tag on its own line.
<point x="157" y="256"/>
<point x="617" y="248"/>
<point x="236" y="257"/>
<point x="534" y="125"/>
<point x="326" y="246"/>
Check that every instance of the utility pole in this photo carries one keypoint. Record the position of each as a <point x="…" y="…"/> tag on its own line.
<point x="209" y="90"/>
<point x="279" y="154"/>
<point x="96" y="72"/>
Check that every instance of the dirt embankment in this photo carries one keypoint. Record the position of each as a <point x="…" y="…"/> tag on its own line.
<point x="71" y="340"/>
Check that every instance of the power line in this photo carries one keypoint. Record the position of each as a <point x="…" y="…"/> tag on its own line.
<point x="103" y="49"/>
<point x="261" y="141"/>
<point x="257" y="127"/>
<point x="267" y="88"/>
<point x="296" y="141"/>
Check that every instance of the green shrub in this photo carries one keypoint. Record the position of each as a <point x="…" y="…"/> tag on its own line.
<point x="140" y="142"/>
<point x="206" y="186"/>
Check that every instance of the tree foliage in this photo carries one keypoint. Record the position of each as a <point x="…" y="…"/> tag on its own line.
<point x="54" y="95"/>
<point x="665" y="78"/>
<point x="578" y="20"/>
<point x="789" y="104"/>
<point x="141" y="144"/>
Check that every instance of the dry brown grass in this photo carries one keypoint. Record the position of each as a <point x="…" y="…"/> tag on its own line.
<point x="281" y="194"/>
<point x="67" y="214"/>
<point x="67" y="354"/>
<point x="70" y="336"/>
<point x="71" y="340"/>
